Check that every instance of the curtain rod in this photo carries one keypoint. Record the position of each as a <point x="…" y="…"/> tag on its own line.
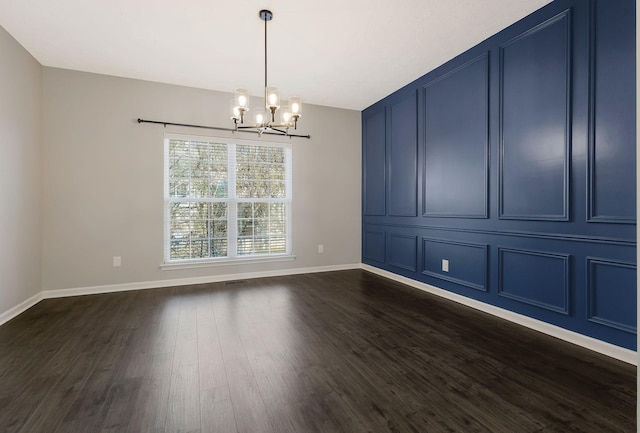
<point x="157" y="122"/>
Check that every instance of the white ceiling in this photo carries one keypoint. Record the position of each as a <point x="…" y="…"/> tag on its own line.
<point x="339" y="53"/>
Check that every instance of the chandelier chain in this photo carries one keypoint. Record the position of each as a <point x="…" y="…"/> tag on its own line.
<point x="265" y="52"/>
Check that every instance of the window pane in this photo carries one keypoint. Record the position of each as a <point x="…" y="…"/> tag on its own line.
<point x="199" y="151"/>
<point x="218" y="189"/>
<point x="278" y="245"/>
<point x="277" y="210"/>
<point x="277" y="190"/>
<point x="261" y="227"/>
<point x="265" y="224"/>
<point x="261" y="210"/>
<point x="245" y="246"/>
<point x="256" y="153"/>
<point x="199" y="188"/>
<point x="178" y="147"/>
<point x="261" y="246"/>
<point x="276" y="155"/>
<point x="199" y="229"/>
<point x="244" y="189"/>
<point x="242" y="154"/>
<point x="180" y="229"/>
<point x="245" y="227"/>
<point x="245" y="210"/>
<point x="178" y="187"/>
<point x="243" y="171"/>
<point x="219" y="228"/>
<point x="277" y="172"/>
<point x="197" y="169"/>
<point x="261" y="171"/>
<point x="219" y="210"/>
<point x="199" y="248"/>
<point x="261" y="189"/>
<point x="219" y="248"/>
<point x="179" y="164"/>
<point x="277" y="227"/>
<point x="180" y="210"/>
<point x="199" y="210"/>
<point x="218" y="152"/>
<point x="179" y="250"/>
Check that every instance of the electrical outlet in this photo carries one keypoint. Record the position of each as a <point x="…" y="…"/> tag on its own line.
<point x="445" y="265"/>
<point x="117" y="261"/>
<point x="320" y="248"/>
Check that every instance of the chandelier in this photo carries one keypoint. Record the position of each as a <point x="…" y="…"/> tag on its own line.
<point x="265" y="120"/>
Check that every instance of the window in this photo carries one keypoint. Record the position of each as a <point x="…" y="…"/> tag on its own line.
<point x="225" y="200"/>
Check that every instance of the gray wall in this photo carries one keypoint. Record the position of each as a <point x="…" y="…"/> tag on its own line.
<point x="103" y="180"/>
<point x="20" y="173"/>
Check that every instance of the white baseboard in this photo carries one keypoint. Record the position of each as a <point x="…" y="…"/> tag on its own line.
<point x="20" y="308"/>
<point x="620" y="353"/>
<point x="110" y="288"/>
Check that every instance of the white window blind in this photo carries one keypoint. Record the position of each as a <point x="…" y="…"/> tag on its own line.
<point x="225" y="200"/>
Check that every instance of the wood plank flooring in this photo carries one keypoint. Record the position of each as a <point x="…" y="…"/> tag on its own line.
<point x="329" y="352"/>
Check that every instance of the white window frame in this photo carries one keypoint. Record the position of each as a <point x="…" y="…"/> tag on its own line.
<point x="232" y="222"/>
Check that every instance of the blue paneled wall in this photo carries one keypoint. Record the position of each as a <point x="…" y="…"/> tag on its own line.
<point x="515" y="163"/>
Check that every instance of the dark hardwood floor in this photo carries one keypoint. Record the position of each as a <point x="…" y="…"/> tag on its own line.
<point x="329" y="352"/>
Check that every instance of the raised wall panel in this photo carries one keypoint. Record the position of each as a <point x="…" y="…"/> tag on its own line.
<point x="534" y="133"/>
<point x="403" y="251"/>
<point x="612" y="146"/>
<point x="374" y="170"/>
<point x="467" y="262"/>
<point x="456" y="142"/>
<point x="403" y="157"/>
<point x="374" y="245"/>
<point x="534" y="277"/>
<point x="611" y="290"/>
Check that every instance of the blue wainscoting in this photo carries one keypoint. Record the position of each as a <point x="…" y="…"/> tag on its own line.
<point x="467" y="262"/>
<point x="403" y="251"/>
<point x="534" y="277"/>
<point x="610" y="150"/>
<point x="403" y="157"/>
<point x="515" y="163"/>
<point x="454" y="157"/>
<point x="374" y="165"/>
<point x="533" y="138"/>
<point x="608" y="282"/>
<point x="374" y="243"/>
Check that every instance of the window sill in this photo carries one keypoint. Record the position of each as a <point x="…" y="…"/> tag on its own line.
<point x="193" y="264"/>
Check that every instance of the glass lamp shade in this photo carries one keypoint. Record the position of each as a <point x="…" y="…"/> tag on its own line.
<point x="272" y="98"/>
<point x="285" y="116"/>
<point x="241" y="98"/>
<point x="260" y="118"/>
<point x="295" y="106"/>
<point x="234" y="110"/>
